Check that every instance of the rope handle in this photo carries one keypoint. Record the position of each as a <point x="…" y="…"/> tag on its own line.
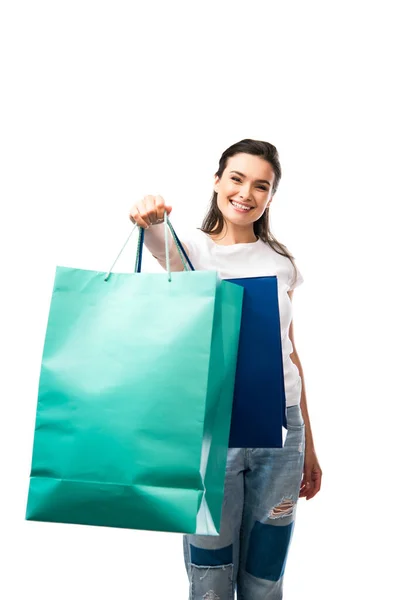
<point x="139" y="252"/>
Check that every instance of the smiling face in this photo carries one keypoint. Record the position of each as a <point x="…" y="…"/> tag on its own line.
<point x="245" y="189"/>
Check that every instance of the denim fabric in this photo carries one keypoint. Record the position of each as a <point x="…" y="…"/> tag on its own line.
<point x="262" y="488"/>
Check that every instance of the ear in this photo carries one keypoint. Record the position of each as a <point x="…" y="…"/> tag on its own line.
<point x="216" y="183"/>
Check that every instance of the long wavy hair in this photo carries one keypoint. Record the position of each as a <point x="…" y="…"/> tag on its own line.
<point x="213" y="222"/>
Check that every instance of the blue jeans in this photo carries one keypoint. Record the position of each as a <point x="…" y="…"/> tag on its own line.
<point x="262" y="488"/>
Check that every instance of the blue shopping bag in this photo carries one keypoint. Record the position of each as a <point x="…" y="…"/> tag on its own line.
<point x="259" y="403"/>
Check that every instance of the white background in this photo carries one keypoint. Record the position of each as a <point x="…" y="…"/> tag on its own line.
<point x="104" y="102"/>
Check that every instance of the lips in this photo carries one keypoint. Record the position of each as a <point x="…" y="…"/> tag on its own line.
<point x="240" y="207"/>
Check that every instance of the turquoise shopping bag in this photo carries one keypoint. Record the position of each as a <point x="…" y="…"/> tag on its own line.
<point x="135" y="399"/>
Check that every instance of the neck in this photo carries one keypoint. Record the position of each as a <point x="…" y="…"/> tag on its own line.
<point x="234" y="235"/>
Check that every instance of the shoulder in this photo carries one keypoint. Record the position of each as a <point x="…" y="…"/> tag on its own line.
<point x="288" y="268"/>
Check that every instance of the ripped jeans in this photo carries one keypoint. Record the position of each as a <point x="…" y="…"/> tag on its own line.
<point x="262" y="488"/>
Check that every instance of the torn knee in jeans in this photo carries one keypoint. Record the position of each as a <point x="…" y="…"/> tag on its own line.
<point x="283" y="509"/>
<point x="211" y="595"/>
<point x="211" y="582"/>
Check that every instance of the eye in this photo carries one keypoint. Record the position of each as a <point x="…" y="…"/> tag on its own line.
<point x="261" y="187"/>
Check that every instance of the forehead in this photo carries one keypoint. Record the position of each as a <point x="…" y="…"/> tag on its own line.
<point x="252" y="166"/>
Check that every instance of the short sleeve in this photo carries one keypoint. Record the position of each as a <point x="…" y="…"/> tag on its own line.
<point x="295" y="281"/>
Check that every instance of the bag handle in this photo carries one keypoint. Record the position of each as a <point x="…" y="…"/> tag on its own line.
<point x="179" y="246"/>
<point x="139" y="253"/>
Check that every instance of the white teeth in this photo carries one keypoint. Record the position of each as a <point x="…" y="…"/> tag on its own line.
<point x="240" y="205"/>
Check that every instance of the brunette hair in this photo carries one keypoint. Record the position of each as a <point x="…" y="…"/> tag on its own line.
<point x="213" y="222"/>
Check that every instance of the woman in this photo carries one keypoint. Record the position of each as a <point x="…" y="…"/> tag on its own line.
<point x="262" y="485"/>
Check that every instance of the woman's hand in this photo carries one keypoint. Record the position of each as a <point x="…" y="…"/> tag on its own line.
<point x="149" y="211"/>
<point x="311" y="482"/>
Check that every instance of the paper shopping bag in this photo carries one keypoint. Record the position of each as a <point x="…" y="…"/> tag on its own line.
<point x="259" y="404"/>
<point x="135" y="399"/>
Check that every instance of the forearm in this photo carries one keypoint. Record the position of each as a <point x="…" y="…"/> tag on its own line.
<point x="154" y="240"/>
<point x="303" y="402"/>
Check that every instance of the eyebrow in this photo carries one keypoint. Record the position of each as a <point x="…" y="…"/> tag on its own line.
<point x="258" y="180"/>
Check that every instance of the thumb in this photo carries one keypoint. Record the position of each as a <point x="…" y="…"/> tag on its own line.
<point x="168" y="209"/>
<point x="307" y="477"/>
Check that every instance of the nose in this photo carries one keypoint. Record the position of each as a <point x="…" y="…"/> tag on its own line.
<point x="245" y="192"/>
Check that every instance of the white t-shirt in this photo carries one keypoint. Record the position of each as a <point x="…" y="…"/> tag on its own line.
<point x="255" y="259"/>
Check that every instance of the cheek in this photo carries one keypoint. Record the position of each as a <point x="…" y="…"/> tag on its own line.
<point x="222" y="204"/>
<point x="226" y="192"/>
<point x="223" y="199"/>
<point x="228" y="189"/>
<point x="261" y="210"/>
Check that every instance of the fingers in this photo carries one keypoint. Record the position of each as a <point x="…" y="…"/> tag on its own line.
<point x="310" y="484"/>
<point x="136" y="217"/>
<point x="303" y="488"/>
<point x="149" y="211"/>
<point x="315" y="485"/>
<point x="160" y="208"/>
